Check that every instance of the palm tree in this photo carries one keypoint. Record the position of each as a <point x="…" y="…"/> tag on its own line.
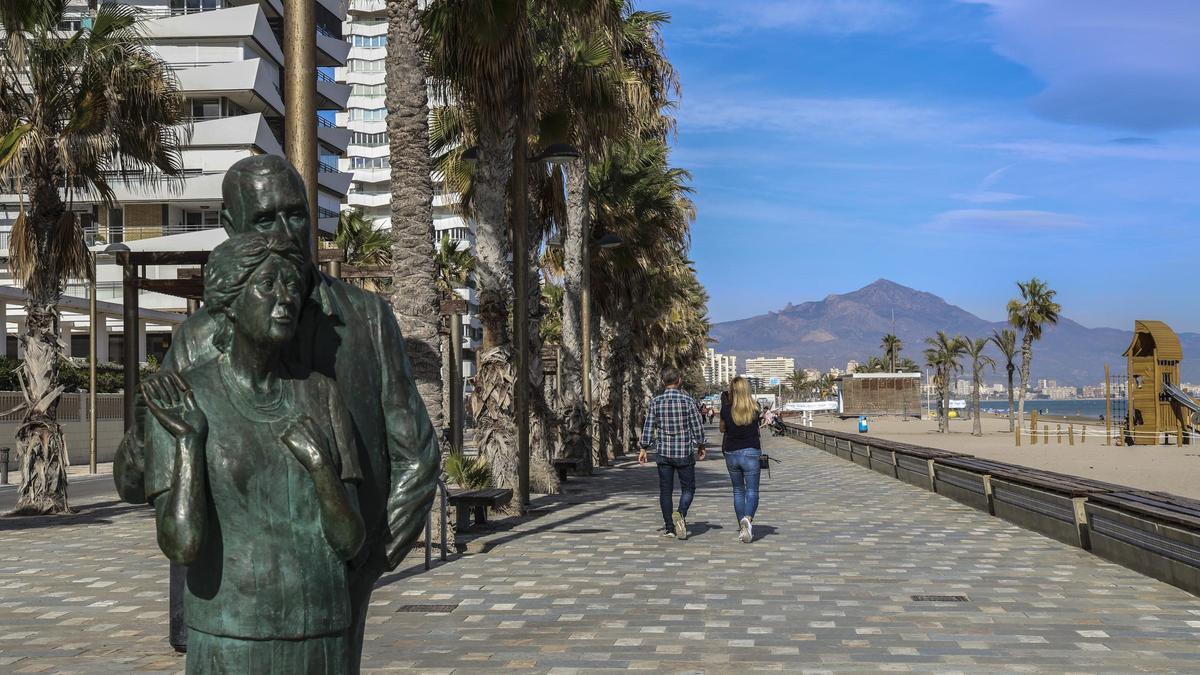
<point x="979" y="361"/>
<point x="415" y="297"/>
<point x="76" y="110"/>
<point x="1030" y="313"/>
<point x="454" y="264"/>
<point x="799" y="383"/>
<point x="1005" y="340"/>
<point x="364" y="245"/>
<point x="907" y="365"/>
<point x="891" y="346"/>
<point x="943" y="356"/>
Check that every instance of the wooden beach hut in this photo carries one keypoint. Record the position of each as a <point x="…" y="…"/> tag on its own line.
<point x="1154" y="356"/>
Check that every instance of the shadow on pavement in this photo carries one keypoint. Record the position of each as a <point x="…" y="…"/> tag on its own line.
<point x="88" y="514"/>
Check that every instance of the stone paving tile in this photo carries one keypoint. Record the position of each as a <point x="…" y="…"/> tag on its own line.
<point x="590" y="586"/>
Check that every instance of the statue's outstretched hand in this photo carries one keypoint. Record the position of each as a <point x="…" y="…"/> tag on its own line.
<point x="308" y="443"/>
<point x="170" y="400"/>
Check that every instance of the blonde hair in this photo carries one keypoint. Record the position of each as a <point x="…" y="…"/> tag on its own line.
<point x="743" y="408"/>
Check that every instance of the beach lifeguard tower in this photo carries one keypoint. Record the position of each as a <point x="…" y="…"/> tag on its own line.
<point x="1157" y="406"/>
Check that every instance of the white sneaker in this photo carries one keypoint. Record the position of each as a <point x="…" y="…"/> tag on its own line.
<point x="680" y="525"/>
<point x="746" y="530"/>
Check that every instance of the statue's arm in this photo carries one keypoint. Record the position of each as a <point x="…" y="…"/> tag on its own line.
<point x="181" y="511"/>
<point x="412" y="441"/>
<point x="337" y="500"/>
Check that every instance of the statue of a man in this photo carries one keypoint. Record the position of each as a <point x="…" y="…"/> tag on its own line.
<point x="346" y="334"/>
<point x="262" y="503"/>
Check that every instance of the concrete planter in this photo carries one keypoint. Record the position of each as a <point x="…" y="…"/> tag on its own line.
<point x="1055" y="515"/>
<point x="883" y="461"/>
<point x="860" y="454"/>
<point x="913" y="470"/>
<point x="1164" y="551"/>
<point x="843" y="449"/>
<point x="967" y="487"/>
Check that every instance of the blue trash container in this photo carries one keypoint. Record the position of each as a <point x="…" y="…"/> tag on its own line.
<point x="862" y="424"/>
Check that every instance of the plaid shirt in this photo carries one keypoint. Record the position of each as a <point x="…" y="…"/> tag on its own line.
<point x="673" y="427"/>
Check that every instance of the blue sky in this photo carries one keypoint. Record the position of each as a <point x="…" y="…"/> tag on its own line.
<point x="953" y="146"/>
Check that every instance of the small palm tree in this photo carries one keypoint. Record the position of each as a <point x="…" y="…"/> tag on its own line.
<point x="454" y="264"/>
<point x="1031" y="313"/>
<point x="891" y="346"/>
<point x="907" y="365"/>
<point x="943" y="356"/>
<point x="77" y="111"/>
<point x="979" y="361"/>
<point x="363" y="244"/>
<point x="1005" y="340"/>
<point x="799" y="383"/>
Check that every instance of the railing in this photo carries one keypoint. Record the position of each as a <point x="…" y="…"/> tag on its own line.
<point x="71" y="407"/>
<point x="324" y="77"/>
<point x="106" y="235"/>
<point x="322" y="122"/>
<point x="326" y="167"/>
<point x="157" y="12"/>
<point x="323" y="212"/>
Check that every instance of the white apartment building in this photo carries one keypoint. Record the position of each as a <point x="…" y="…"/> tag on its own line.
<point x="718" y="368"/>
<point x="766" y="367"/>
<point x="229" y="60"/>
<point x="367" y="155"/>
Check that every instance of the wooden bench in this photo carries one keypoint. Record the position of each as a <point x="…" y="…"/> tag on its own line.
<point x="466" y="502"/>
<point x="563" y="465"/>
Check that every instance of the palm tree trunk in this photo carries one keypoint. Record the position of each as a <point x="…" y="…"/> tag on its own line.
<point x="575" y="419"/>
<point x="1026" y="360"/>
<point x="977" y="426"/>
<point x="542" y="477"/>
<point x="493" y="399"/>
<point x="945" y="426"/>
<point x="1012" y="413"/>
<point x="414" y="270"/>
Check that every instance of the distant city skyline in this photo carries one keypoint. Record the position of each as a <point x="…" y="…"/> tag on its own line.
<point x="951" y="146"/>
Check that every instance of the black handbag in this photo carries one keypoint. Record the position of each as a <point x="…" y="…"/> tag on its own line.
<point x="764" y="463"/>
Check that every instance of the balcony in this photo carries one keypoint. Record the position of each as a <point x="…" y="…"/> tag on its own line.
<point x="337" y="138"/>
<point x="331" y="51"/>
<point x="246" y="22"/>
<point x="331" y="94"/>
<point x="248" y="130"/>
<point x="101" y="235"/>
<point x="252" y="84"/>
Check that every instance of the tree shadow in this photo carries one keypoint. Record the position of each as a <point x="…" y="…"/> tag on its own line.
<point x="94" y="513"/>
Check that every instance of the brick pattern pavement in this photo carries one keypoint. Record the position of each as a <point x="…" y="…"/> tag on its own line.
<point x="590" y="585"/>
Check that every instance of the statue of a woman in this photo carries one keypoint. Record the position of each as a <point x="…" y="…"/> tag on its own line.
<point x="262" y="505"/>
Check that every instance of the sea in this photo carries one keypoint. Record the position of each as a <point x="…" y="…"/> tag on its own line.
<point x="1075" y="407"/>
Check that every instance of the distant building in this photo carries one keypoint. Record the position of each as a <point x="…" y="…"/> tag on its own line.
<point x="1059" y="393"/>
<point x="851" y="366"/>
<point x="718" y="368"/>
<point x="766" y="367"/>
<point x="879" y="394"/>
<point x="812" y="373"/>
<point x="1047" y="384"/>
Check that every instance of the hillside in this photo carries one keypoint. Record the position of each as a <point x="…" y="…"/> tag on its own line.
<point x="828" y="333"/>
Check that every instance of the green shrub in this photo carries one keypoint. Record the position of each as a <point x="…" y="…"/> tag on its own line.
<point x="73" y="375"/>
<point x="468" y="473"/>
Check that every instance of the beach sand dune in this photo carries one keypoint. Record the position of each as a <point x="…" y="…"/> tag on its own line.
<point x="1163" y="468"/>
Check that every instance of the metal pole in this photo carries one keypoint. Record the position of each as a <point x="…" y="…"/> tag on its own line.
<point x="520" y="251"/>
<point x="1107" y="406"/>
<point x="92" y="333"/>
<point x="300" y="98"/>
<point x="456" y="381"/>
<point x="585" y="333"/>
<point x="129" y="341"/>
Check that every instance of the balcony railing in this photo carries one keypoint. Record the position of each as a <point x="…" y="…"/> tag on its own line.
<point x="323" y="213"/>
<point x="324" y="77"/>
<point x="111" y="235"/>
<point x="326" y="167"/>
<point x="322" y="122"/>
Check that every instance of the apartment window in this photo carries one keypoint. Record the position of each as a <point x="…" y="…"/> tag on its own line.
<point x="369" y="163"/>
<point x="370" y="140"/>
<point x="71" y="24"/>
<point x="364" y="66"/>
<point x="454" y="233"/>
<point x="368" y="114"/>
<point x="206" y="108"/>
<point x="194" y="6"/>
<point x="368" y="90"/>
<point x="200" y="220"/>
<point x="370" y="40"/>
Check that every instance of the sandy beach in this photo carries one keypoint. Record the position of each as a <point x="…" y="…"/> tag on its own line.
<point x="1166" y="468"/>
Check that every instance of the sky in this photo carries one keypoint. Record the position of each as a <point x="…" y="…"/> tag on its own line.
<point x="954" y="146"/>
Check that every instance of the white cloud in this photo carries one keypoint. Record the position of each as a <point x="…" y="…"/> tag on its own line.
<point x="1112" y="63"/>
<point x="989" y="197"/>
<point x="971" y="221"/>
<point x="1063" y="151"/>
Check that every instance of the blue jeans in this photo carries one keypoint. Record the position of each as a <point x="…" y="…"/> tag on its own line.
<point x="743" y="471"/>
<point x="667" y="468"/>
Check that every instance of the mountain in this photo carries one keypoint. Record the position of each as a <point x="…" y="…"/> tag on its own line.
<point x="828" y="333"/>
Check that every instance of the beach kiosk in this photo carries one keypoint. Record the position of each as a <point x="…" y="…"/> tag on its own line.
<point x="1157" y="407"/>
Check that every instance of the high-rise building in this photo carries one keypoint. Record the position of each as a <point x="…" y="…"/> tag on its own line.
<point x="229" y="61"/>
<point x="367" y="155"/>
<point x="766" y="367"/>
<point x="718" y="368"/>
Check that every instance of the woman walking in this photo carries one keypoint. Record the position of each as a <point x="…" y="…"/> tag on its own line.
<point x="742" y="449"/>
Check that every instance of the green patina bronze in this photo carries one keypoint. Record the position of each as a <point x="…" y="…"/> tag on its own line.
<point x="284" y="447"/>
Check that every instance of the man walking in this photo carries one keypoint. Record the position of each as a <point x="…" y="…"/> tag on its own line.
<point x="674" y="428"/>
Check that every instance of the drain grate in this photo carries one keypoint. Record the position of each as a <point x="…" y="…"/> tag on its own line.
<point x="940" y="598"/>
<point x="428" y="609"/>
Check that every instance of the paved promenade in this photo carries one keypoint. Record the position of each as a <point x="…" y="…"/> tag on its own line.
<point x="588" y="584"/>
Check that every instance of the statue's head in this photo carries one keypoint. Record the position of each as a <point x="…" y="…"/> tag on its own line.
<point x="253" y="286"/>
<point x="264" y="193"/>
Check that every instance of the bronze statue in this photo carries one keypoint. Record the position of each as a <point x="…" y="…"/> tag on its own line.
<point x="344" y="336"/>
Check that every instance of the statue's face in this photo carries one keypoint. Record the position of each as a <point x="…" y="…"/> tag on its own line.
<point x="269" y="306"/>
<point x="265" y="202"/>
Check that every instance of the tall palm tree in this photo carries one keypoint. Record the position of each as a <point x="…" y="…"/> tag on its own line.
<point x="799" y="383"/>
<point x="76" y="110"/>
<point x="1005" y="340"/>
<point x="1031" y="313"/>
<point x="891" y="346"/>
<point x="974" y="350"/>
<point x="415" y="297"/>
<point x="943" y="355"/>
